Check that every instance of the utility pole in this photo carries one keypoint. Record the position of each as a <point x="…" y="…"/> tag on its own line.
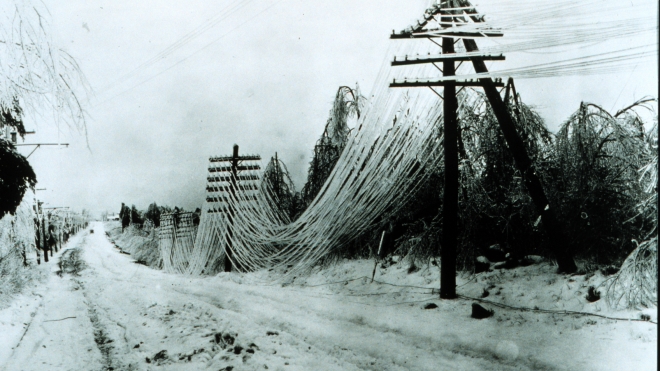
<point x="450" y="198"/>
<point x="41" y="235"/>
<point x="222" y="191"/>
<point x="232" y="211"/>
<point x="35" y="208"/>
<point x="452" y="21"/>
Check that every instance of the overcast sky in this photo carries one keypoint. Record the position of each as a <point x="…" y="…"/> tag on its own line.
<point x="263" y="77"/>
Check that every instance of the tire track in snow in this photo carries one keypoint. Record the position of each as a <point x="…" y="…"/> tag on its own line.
<point x="50" y="342"/>
<point x="73" y="264"/>
<point x="281" y="346"/>
<point x="27" y="328"/>
<point x="364" y="339"/>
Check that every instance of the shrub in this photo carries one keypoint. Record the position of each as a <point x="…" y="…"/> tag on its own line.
<point x="594" y="182"/>
<point x="16" y="175"/>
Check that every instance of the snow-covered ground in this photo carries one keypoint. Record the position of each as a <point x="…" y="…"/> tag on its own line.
<point x="104" y="311"/>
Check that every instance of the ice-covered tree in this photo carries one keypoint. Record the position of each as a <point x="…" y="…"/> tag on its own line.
<point x="37" y="79"/>
<point x="35" y="74"/>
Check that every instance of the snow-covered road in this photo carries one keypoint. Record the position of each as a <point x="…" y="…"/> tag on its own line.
<point x="104" y="311"/>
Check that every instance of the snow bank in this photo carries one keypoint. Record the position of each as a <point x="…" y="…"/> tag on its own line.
<point x="141" y="245"/>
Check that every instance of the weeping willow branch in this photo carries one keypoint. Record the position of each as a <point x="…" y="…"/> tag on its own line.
<point x="636" y="284"/>
<point x="348" y="103"/>
<point x="44" y="78"/>
<point x="277" y="181"/>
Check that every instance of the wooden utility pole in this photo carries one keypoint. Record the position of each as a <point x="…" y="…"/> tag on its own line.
<point x="232" y="211"/>
<point x="221" y="189"/>
<point x="450" y="199"/>
<point x="37" y="241"/>
<point x="44" y="230"/>
<point x="40" y="231"/>
<point x="452" y="17"/>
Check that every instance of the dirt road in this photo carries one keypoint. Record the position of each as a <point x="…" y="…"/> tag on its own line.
<point x="101" y="311"/>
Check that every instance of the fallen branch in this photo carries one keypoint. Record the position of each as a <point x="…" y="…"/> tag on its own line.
<point x="61" y="319"/>
<point x="526" y="309"/>
<point x="373" y="274"/>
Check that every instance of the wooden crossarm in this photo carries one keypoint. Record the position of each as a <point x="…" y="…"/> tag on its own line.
<point x="226" y="199"/>
<point x="242" y="187"/>
<point x="229" y="168"/>
<point x="227" y="178"/>
<point x="451" y="57"/>
<point x="417" y="83"/>
<point x="231" y="158"/>
<point x="447" y="32"/>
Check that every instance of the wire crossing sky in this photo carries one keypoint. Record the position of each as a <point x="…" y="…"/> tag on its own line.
<point x="176" y="83"/>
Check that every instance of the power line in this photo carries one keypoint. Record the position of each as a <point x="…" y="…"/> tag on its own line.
<point x="217" y="18"/>
<point x="191" y="55"/>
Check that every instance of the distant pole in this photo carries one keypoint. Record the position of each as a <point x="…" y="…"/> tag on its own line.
<point x="230" y="216"/>
<point x="46" y="233"/>
<point x="37" y="239"/>
<point x="42" y="233"/>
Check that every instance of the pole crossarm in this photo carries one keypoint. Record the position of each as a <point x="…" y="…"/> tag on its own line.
<point x="429" y="34"/>
<point x="429" y="15"/>
<point x="227" y="178"/>
<point x="225" y="209"/>
<point x="37" y="145"/>
<point x="436" y="9"/>
<point x="231" y="158"/>
<point x="220" y="169"/>
<point x="428" y="83"/>
<point x="41" y="144"/>
<point x="458" y="57"/>
<point x="228" y="188"/>
<point x="226" y="199"/>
